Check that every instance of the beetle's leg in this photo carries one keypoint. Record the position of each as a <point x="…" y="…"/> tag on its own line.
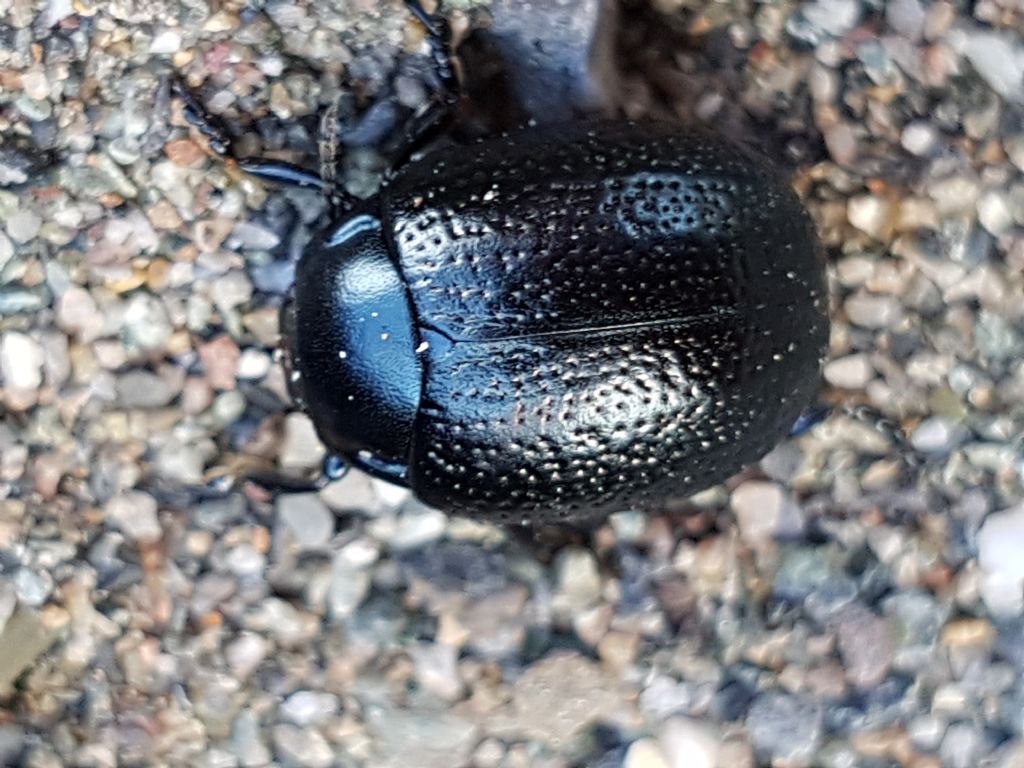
<point x="439" y="38"/>
<point x="222" y="144"/>
<point x="447" y="93"/>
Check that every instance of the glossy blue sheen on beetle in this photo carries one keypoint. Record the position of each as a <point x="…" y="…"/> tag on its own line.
<point x="563" y="322"/>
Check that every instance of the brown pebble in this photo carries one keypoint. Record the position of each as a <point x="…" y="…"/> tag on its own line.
<point x="157" y="274"/>
<point x="892" y="743"/>
<point x="968" y="633"/>
<point x="842" y="143"/>
<point x="163" y="215"/>
<point x="184" y="152"/>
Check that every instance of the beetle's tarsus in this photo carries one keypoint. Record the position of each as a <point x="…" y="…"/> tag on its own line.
<point x="416" y="9"/>
<point x="212" y="129"/>
<point x="221" y="144"/>
<point x="445" y="98"/>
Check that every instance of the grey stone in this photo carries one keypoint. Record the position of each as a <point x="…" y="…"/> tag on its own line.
<point x="865" y="645"/>
<point x="785" y="728"/>
<point x="962" y="746"/>
<point x="24" y="638"/>
<point x="135" y="513"/>
<point x="306" y="708"/>
<point x="303" y="519"/>
<point x="301" y="747"/>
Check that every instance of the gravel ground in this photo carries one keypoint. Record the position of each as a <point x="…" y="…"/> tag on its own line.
<point x="856" y="600"/>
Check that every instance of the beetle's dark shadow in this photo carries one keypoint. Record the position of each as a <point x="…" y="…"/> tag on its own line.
<point x="659" y="69"/>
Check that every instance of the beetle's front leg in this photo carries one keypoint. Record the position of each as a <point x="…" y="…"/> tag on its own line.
<point x="447" y="91"/>
<point x="221" y="143"/>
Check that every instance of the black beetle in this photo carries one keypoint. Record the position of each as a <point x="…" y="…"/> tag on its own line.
<point x="558" y="322"/>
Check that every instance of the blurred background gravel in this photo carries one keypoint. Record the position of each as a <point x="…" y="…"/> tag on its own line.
<point x="855" y="600"/>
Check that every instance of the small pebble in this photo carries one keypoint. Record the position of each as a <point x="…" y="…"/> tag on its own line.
<point x="866" y="645"/>
<point x="870" y="214"/>
<point x="578" y="580"/>
<point x="919" y="138"/>
<point x="962" y="746"/>
<point x="304" y="519"/>
<point x="21" y="361"/>
<point x="301" y="747"/>
<point x="764" y="511"/>
<point x="850" y="372"/>
<point x="146" y="324"/>
<point x="994" y="212"/>
<point x="304" y="708"/>
<point x="906" y="18"/>
<point x="134" y="513"/>
<point x="936" y="435"/>
<point x="644" y="753"/>
<point x="167" y="41"/>
<point x="999" y="59"/>
<point x="689" y="743"/>
<point x="785" y="728"/>
<point x="999" y="546"/>
<point x="872" y="310"/>
<point x="23" y="226"/>
<point x="301" y="448"/>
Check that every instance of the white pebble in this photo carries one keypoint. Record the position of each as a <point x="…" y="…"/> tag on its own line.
<point x="850" y="372"/>
<point x="301" y="448"/>
<point x="994" y="212"/>
<point x="134" y="513"/>
<point x="999" y="62"/>
<point x="872" y="310"/>
<point x="644" y="753"/>
<point x="56" y="11"/>
<point x="253" y="364"/>
<point x="347" y="589"/>
<point x="437" y="670"/>
<point x="936" y="435"/>
<point x="1000" y="543"/>
<point x="906" y="17"/>
<point x="688" y="743"/>
<point x="309" y="707"/>
<point x="77" y="313"/>
<point x="21" y="361"/>
<point x="579" y="581"/>
<point x="764" y="511"/>
<point x="23" y="226"/>
<point x="919" y="138"/>
<point x="35" y="85"/>
<point x="836" y="17"/>
<point x="167" y="41"/>
<point x="869" y="214"/>
<point x="954" y="194"/>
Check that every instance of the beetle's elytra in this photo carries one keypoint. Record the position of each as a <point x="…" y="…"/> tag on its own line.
<point x="561" y="322"/>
